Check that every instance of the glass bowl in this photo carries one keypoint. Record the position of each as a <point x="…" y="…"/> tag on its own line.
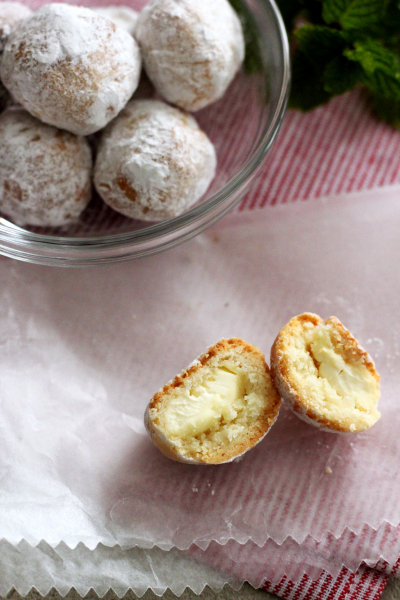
<point x="242" y="125"/>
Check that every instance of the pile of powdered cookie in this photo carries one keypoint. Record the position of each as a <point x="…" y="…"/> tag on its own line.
<point x="68" y="72"/>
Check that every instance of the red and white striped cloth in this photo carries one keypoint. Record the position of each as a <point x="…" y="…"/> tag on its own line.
<point x="292" y="571"/>
<point x="335" y="149"/>
<point x="365" y="584"/>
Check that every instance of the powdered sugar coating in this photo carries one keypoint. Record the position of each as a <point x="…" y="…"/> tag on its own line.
<point x="191" y="49"/>
<point x="11" y="13"/>
<point x="45" y="173"/>
<point x="154" y="162"/>
<point x="71" y="68"/>
<point x="122" y="16"/>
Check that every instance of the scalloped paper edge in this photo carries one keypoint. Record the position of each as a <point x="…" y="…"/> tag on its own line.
<point x="61" y="551"/>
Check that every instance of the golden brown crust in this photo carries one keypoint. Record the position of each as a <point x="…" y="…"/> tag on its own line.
<point x="204" y="359"/>
<point x="345" y="344"/>
<point x="221" y="349"/>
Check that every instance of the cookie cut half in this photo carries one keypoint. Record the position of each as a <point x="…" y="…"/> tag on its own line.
<point x="217" y="409"/>
<point x="328" y="378"/>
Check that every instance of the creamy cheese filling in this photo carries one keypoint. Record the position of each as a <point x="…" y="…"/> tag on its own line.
<point x="328" y="377"/>
<point x="216" y="401"/>
<point x="352" y="382"/>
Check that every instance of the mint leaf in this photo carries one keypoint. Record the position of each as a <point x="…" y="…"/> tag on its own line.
<point x="320" y="43"/>
<point x="387" y="110"/>
<point x="380" y="68"/>
<point x="342" y="43"/>
<point x="373" y="56"/>
<point x="320" y="52"/>
<point x="382" y="85"/>
<point x="389" y="25"/>
<point x="340" y="76"/>
<point x="307" y="86"/>
<point x="332" y="10"/>
<point x="353" y="14"/>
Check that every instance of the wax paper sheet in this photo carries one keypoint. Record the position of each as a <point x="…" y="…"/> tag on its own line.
<point x="83" y="351"/>
<point x="43" y="567"/>
<point x="23" y="567"/>
<point x="379" y="549"/>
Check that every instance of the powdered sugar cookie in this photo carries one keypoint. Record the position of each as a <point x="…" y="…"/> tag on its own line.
<point x="154" y="161"/>
<point x="71" y="68"/>
<point x="11" y="14"/>
<point x="191" y="50"/>
<point x="45" y="173"/>
<point x="325" y="375"/>
<point x="217" y="409"/>
<point x="122" y="16"/>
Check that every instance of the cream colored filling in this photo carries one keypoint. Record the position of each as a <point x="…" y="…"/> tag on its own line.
<point x="350" y="381"/>
<point x="215" y="402"/>
<point x="329" y="379"/>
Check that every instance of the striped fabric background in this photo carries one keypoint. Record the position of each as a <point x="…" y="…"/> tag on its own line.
<point x="334" y="149"/>
<point x="365" y="584"/>
<point x="294" y="572"/>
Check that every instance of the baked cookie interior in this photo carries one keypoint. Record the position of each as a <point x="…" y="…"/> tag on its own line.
<point x="218" y="408"/>
<point x="326" y="375"/>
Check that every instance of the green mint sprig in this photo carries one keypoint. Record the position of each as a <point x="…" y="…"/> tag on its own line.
<point x="337" y="44"/>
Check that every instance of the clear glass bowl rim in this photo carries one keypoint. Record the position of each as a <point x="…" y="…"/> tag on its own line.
<point x="31" y="247"/>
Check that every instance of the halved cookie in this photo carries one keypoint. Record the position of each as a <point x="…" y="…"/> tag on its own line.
<point x="327" y="377"/>
<point x="222" y="405"/>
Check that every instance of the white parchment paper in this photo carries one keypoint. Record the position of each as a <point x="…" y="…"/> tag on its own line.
<point x="82" y="352"/>
<point x="43" y="567"/>
<point x="379" y="549"/>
